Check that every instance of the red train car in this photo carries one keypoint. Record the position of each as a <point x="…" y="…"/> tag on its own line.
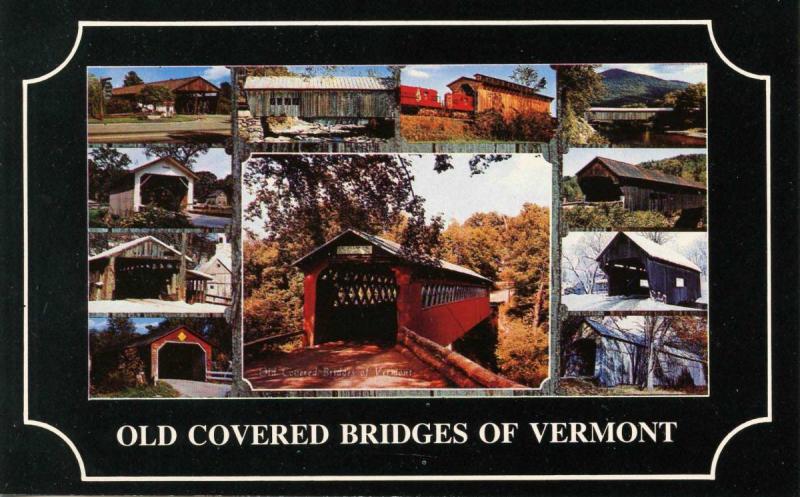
<point x="459" y="102"/>
<point x="415" y="98"/>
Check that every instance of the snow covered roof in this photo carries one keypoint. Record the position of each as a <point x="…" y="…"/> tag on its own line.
<point x="637" y="339"/>
<point x="223" y="255"/>
<point x="122" y="247"/>
<point x="392" y="248"/>
<point x="655" y="251"/>
<point x="318" y="83"/>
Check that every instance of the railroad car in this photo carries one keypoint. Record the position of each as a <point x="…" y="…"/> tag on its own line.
<point x="425" y="101"/>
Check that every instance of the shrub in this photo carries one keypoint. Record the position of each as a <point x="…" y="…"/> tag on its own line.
<point x="117" y="105"/>
<point x="522" y="353"/>
<point x="612" y="215"/>
<point x="152" y="217"/>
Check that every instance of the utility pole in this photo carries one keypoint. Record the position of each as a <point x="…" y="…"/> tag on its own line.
<point x="182" y="272"/>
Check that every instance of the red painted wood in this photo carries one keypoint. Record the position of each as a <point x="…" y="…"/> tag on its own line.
<point x="446" y="323"/>
<point x="173" y="336"/>
<point x="409" y="297"/>
<point x="310" y="303"/>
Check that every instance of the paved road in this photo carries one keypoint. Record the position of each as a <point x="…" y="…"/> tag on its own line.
<point x="136" y="306"/>
<point x="210" y="128"/>
<point x="342" y="365"/>
<point x="198" y="389"/>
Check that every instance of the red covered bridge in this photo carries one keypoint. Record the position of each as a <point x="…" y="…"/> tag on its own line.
<point x="363" y="287"/>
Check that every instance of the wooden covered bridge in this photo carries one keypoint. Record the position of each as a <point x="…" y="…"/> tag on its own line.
<point x="637" y="266"/>
<point x="639" y="188"/>
<point x="365" y="288"/>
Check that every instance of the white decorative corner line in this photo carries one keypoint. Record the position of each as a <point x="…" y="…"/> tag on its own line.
<point x="711" y="475"/>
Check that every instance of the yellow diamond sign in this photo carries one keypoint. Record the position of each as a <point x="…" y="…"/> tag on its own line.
<point x="181" y="336"/>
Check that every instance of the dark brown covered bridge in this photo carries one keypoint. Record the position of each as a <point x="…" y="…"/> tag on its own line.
<point x="362" y="287"/>
<point x="638" y="188"/>
<point x="638" y="266"/>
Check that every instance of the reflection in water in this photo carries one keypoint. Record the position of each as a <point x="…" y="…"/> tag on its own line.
<point x="650" y="138"/>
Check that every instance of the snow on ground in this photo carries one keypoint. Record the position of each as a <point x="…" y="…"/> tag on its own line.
<point x="136" y="306"/>
<point x="601" y="302"/>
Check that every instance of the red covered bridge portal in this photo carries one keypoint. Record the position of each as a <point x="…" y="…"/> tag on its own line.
<point x="362" y="287"/>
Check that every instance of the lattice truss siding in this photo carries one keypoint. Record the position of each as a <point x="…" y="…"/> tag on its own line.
<point x="357" y="288"/>
<point x="439" y="293"/>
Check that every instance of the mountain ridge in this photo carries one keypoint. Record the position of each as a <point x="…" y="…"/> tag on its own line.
<point x="627" y="87"/>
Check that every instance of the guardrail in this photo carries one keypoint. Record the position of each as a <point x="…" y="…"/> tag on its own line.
<point x="454" y="366"/>
<point x="224" y="376"/>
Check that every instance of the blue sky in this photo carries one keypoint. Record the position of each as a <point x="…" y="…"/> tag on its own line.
<point x="215" y="74"/>
<point x="579" y="157"/>
<point x="140" y="323"/>
<point x="215" y="161"/>
<point x="691" y="73"/>
<point x="380" y="71"/>
<point x="437" y="76"/>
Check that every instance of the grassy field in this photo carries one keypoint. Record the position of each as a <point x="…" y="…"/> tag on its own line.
<point x="160" y="389"/>
<point x="127" y="120"/>
<point x="577" y="387"/>
<point x="435" y="128"/>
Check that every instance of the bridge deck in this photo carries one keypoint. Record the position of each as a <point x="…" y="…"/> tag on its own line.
<point x="343" y="366"/>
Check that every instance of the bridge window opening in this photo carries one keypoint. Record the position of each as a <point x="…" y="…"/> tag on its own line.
<point x="437" y="294"/>
<point x="356" y="303"/>
<point x="185" y="361"/>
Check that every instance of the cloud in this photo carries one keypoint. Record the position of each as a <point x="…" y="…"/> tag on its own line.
<point x="416" y="73"/>
<point x="217" y="73"/>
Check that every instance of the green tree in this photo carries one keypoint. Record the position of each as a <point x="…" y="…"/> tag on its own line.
<point x="107" y="165"/>
<point x="579" y="86"/>
<point x="95" y="99"/>
<point x="527" y="75"/>
<point x="155" y="95"/>
<point x="571" y="190"/>
<point x="186" y="153"/>
<point x="612" y="215"/>
<point x="131" y="78"/>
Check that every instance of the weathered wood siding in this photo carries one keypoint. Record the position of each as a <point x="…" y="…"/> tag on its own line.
<point x="661" y="198"/>
<point x="509" y="103"/>
<point x="662" y="277"/>
<point x="322" y="103"/>
<point x="121" y="203"/>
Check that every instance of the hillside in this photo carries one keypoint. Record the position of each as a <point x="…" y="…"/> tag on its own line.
<point x="624" y="88"/>
<point x="687" y="166"/>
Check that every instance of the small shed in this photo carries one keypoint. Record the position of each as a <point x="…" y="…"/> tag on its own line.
<point x="617" y="357"/>
<point x="321" y="97"/>
<point x="163" y="182"/>
<point x="219" y="289"/>
<point x="193" y="94"/>
<point x="217" y="198"/>
<point x="638" y="188"/>
<point x="144" y="268"/>
<point x="503" y="96"/>
<point x="637" y="266"/>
